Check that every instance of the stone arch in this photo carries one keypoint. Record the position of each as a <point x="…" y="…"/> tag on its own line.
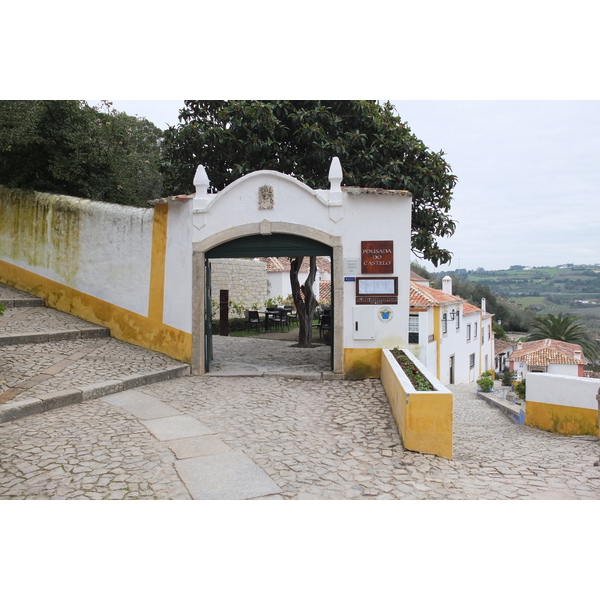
<point x="263" y="228"/>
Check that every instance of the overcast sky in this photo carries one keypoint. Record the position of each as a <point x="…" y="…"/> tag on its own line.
<point x="528" y="173"/>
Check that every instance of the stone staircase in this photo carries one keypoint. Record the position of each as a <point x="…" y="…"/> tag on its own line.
<point x="50" y="359"/>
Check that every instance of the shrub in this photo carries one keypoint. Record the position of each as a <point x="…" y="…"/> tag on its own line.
<point x="520" y="389"/>
<point x="485" y="384"/>
<point x="508" y="376"/>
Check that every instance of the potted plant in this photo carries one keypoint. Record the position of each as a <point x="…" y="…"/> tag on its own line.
<point x="508" y="377"/>
<point x="485" y="384"/>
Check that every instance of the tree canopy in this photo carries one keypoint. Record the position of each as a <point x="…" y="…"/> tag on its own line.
<point x="68" y="147"/>
<point x="376" y="149"/>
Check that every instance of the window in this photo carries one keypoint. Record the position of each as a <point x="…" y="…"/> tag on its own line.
<point x="475" y="330"/>
<point x="444" y="323"/>
<point x="468" y="333"/>
<point x="457" y="318"/>
<point x="489" y="333"/>
<point x="471" y="361"/>
<point x="413" y="329"/>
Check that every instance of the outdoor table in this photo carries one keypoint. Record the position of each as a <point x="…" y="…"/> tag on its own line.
<point x="269" y="314"/>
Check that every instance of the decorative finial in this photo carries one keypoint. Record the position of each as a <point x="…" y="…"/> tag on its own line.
<point x="335" y="175"/>
<point x="201" y="182"/>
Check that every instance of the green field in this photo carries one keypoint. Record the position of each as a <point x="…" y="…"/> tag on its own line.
<point x="545" y="290"/>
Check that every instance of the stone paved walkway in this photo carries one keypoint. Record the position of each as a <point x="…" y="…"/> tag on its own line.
<point x="277" y="438"/>
<point x="254" y="356"/>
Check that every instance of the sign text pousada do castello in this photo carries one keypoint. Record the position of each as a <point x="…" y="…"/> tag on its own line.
<point x="377" y="257"/>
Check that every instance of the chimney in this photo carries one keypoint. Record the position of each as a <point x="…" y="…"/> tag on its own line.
<point x="577" y="355"/>
<point x="519" y="345"/>
<point x="447" y="285"/>
<point x="483" y="307"/>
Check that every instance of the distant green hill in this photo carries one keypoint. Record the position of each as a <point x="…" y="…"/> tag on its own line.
<point x="573" y="289"/>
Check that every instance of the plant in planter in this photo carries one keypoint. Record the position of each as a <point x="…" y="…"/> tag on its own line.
<point x="418" y="380"/>
<point x="520" y="389"/>
<point x="485" y="384"/>
<point x="508" y="376"/>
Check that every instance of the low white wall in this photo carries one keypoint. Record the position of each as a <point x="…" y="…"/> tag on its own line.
<point x="562" y="390"/>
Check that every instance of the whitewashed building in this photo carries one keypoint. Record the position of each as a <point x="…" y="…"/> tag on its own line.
<point x="453" y="338"/>
<point x="547" y="356"/>
<point x="278" y="275"/>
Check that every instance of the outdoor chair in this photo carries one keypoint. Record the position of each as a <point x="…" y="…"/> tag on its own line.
<point x="253" y="320"/>
<point x="292" y="315"/>
<point x="325" y="324"/>
<point x="280" y="319"/>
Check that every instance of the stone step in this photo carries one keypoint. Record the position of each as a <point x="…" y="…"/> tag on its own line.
<point x="91" y="332"/>
<point x="21" y="302"/>
<point x="29" y="322"/>
<point x="51" y="359"/>
<point x="57" y="399"/>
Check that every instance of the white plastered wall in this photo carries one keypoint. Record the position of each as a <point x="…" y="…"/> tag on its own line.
<point x="98" y="248"/>
<point x="178" y="266"/>
<point x="340" y="219"/>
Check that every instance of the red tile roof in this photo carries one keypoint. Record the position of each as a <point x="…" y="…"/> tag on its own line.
<point x="422" y="296"/>
<point x="502" y="346"/>
<point x="282" y="264"/>
<point x="416" y="277"/>
<point x="470" y="308"/>
<point x="541" y="353"/>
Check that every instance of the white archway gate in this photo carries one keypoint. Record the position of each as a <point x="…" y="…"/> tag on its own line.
<point x="364" y="230"/>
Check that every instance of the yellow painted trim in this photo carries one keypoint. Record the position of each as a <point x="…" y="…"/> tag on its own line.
<point x="424" y="419"/>
<point x="362" y="363"/>
<point x="123" y="324"/>
<point x="156" y="299"/>
<point x="568" y="420"/>
<point x="437" y="334"/>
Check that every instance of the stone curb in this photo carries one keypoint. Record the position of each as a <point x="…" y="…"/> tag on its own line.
<point x="46" y="402"/>
<point x="83" y="333"/>
<point x="514" y="412"/>
<point x="22" y="302"/>
<point x="312" y="376"/>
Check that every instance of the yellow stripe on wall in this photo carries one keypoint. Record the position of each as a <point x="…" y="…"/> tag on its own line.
<point x="568" y="420"/>
<point x="123" y="324"/>
<point x="437" y="328"/>
<point x="156" y="300"/>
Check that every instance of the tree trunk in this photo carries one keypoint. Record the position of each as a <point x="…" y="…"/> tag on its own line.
<point x="304" y="298"/>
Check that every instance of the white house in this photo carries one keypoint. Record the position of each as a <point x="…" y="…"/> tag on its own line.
<point x="278" y="275"/>
<point x="547" y="356"/>
<point x="453" y="338"/>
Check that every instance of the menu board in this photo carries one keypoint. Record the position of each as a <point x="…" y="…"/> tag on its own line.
<point x="376" y="286"/>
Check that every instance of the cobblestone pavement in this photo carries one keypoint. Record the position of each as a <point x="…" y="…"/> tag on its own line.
<point x="30" y="370"/>
<point x="258" y="356"/>
<point x="313" y="439"/>
<point x="35" y="319"/>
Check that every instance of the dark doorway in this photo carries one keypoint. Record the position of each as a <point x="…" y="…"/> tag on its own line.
<point x="253" y="246"/>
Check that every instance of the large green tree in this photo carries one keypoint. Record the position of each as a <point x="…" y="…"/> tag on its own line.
<point x="565" y="328"/>
<point x="375" y="147"/>
<point x="68" y="147"/>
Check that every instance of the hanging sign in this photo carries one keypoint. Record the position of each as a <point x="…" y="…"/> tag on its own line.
<point x="377" y="257"/>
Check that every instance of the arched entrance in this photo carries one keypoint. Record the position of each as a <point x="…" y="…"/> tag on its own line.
<point x="261" y="239"/>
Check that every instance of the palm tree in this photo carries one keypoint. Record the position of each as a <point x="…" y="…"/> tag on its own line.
<point x="565" y="328"/>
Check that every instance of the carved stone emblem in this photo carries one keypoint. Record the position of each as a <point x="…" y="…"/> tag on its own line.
<point x="266" y="197"/>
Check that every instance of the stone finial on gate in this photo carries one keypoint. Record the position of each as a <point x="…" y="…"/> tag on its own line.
<point x="201" y="183"/>
<point x="335" y="175"/>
